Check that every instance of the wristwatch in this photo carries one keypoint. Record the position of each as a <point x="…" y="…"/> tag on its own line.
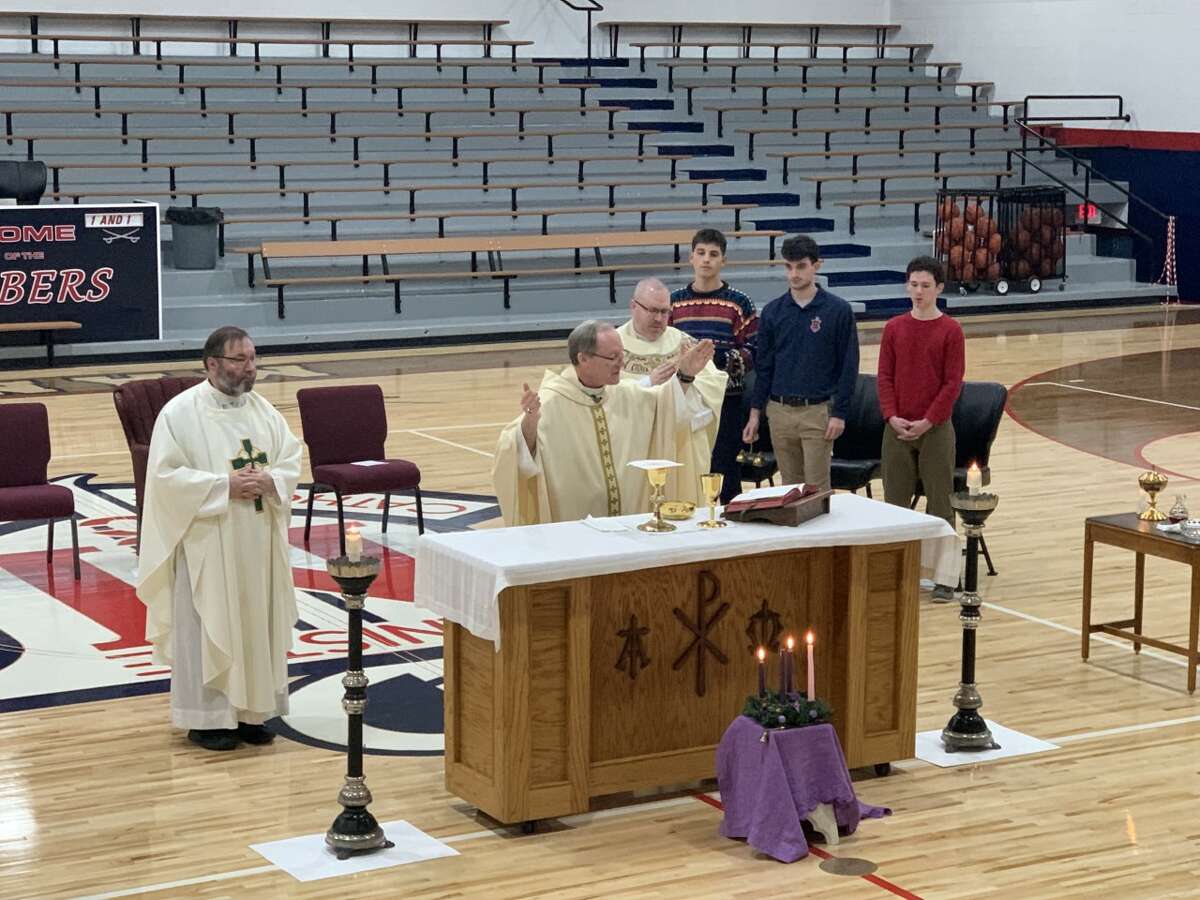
<point x="686" y="379"/>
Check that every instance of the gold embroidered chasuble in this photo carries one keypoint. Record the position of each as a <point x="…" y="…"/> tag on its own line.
<point x="585" y="442"/>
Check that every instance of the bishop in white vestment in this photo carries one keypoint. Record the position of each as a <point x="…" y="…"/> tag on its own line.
<point x="567" y="456"/>
<point x="652" y="350"/>
<point x="214" y="565"/>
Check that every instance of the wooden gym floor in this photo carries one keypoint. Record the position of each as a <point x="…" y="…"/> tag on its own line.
<point x="103" y="798"/>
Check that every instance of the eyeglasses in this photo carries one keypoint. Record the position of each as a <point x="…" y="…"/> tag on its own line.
<point x="664" y="313"/>
<point x="240" y="360"/>
<point x="602" y="356"/>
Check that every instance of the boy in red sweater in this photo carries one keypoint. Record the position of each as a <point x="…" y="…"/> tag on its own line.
<point x="921" y="360"/>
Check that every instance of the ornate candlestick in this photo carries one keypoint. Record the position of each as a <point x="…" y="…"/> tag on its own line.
<point x="967" y="729"/>
<point x="1152" y="482"/>
<point x="355" y="829"/>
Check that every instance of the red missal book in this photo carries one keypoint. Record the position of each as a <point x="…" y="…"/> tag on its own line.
<point x="776" y="501"/>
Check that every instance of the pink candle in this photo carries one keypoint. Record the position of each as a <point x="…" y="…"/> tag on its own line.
<point x="812" y="670"/>
<point x="762" y="671"/>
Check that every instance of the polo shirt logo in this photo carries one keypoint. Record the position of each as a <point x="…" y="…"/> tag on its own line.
<point x="815" y="325"/>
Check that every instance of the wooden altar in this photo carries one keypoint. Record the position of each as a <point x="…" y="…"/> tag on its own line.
<point x="616" y="682"/>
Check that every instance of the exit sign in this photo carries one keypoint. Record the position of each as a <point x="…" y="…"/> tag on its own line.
<point x="1087" y="214"/>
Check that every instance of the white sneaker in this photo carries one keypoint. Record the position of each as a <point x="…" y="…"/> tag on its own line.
<point x="927" y="584"/>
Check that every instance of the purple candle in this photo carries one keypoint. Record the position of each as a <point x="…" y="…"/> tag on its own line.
<point x="791" y="664"/>
<point x="762" y="671"/>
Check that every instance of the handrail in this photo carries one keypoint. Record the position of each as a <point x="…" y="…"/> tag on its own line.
<point x="1089" y="170"/>
<point x="590" y="7"/>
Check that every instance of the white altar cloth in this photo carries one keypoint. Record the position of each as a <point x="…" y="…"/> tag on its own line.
<point x="460" y="575"/>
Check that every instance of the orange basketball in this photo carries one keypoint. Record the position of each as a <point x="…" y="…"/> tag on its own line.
<point x="1057" y="217"/>
<point x="968" y="240"/>
<point x="1057" y="250"/>
<point x="968" y="272"/>
<point x="943" y="241"/>
<point x="993" y="272"/>
<point x="981" y="259"/>
<point x="946" y="210"/>
<point x="1035" y="218"/>
<point x="1035" y="254"/>
<point x="1047" y="267"/>
<point x="994" y="243"/>
<point x="1047" y="234"/>
<point x="956" y="229"/>
<point x="971" y="213"/>
<point x="1024" y="239"/>
<point x="1023" y="268"/>
<point x="983" y="226"/>
<point x="1026" y="218"/>
<point x="956" y="256"/>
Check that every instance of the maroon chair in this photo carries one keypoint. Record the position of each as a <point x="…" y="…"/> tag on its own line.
<point x="24" y="491"/>
<point x="138" y="405"/>
<point x="345" y="425"/>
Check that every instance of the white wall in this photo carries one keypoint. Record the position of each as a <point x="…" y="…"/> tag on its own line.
<point x="1142" y="49"/>
<point x="555" y="29"/>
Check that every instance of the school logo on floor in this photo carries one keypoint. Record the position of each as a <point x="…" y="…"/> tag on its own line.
<point x="64" y="641"/>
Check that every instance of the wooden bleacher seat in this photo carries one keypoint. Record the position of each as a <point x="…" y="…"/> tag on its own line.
<point x="804" y="65"/>
<point x="493" y="246"/>
<point x="676" y="46"/>
<point x="836" y="86"/>
<point x="829" y="130"/>
<point x="903" y="175"/>
<point x="857" y="153"/>
<point x="47" y="330"/>
<point x="614" y="27"/>
<point x="917" y="202"/>
<point x="867" y="108"/>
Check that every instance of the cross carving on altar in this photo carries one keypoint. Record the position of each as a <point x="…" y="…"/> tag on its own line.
<point x="633" y="656"/>
<point x="708" y="591"/>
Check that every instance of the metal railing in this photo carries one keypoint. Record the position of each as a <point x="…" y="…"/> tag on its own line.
<point x="589" y="7"/>
<point x="1089" y="171"/>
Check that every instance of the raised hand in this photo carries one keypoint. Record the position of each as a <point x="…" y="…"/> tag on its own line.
<point x="696" y="357"/>
<point x="531" y="406"/>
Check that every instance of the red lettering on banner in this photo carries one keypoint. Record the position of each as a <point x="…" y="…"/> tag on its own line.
<point x="42" y="288"/>
<point x="100" y="279"/>
<point x="71" y="279"/>
<point x="64" y="232"/>
<point x="12" y="287"/>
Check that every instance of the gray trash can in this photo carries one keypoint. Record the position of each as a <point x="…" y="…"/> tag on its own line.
<point x="194" y="235"/>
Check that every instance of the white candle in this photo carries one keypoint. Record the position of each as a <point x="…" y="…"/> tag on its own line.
<point x="353" y="544"/>
<point x="974" y="480"/>
<point x="812" y="671"/>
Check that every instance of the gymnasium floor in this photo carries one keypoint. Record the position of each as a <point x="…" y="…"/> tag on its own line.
<point x="98" y="796"/>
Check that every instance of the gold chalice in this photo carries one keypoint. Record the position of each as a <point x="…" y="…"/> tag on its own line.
<point x="711" y="485"/>
<point x="658" y="480"/>
<point x="1152" y="482"/>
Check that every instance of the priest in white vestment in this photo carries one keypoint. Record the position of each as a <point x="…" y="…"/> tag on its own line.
<point x="214" y="566"/>
<point x="567" y="456"/>
<point x="652" y="351"/>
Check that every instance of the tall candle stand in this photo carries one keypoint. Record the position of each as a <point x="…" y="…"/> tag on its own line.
<point x="967" y="729"/>
<point x="355" y="829"/>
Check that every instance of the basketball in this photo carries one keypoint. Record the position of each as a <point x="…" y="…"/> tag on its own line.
<point x="1024" y="239"/>
<point x="993" y="272"/>
<point x="946" y="210"/>
<point x="1035" y="254"/>
<point x="1058" y="217"/>
<point x="983" y="226"/>
<point x="971" y="213"/>
<point x="956" y="256"/>
<point x="1023" y="268"/>
<point x="1057" y="250"/>
<point x="981" y="259"/>
<point x="1047" y="267"/>
<point x="994" y="243"/>
<point x="956" y="230"/>
<point x="968" y="240"/>
<point x="968" y="272"/>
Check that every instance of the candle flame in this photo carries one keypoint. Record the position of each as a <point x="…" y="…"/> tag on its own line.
<point x="762" y="654"/>
<point x="352" y="529"/>
<point x="791" y="643"/>
<point x="974" y="467"/>
<point x="808" y="638"/>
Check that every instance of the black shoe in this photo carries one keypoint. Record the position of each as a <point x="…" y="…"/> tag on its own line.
<point x="254" y="734"/>
<point x="214" y="738"/>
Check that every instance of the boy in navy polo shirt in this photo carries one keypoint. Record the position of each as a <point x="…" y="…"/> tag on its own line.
<point x="806" y="364"/>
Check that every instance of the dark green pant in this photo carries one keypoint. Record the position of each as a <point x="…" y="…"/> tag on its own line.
<point x="930" y="459"/>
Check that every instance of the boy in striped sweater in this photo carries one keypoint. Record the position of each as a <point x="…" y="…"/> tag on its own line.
<point x="708" y="308"/>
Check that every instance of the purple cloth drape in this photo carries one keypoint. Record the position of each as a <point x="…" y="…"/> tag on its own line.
<point x="768" y="788"/>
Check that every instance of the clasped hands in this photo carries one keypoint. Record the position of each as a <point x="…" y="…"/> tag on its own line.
<point x="693" y="358"/>
<point x="909" y="431"/>
<point x="250" y="483"/>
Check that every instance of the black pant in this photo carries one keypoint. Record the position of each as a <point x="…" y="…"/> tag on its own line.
<point x="734" y="412"/>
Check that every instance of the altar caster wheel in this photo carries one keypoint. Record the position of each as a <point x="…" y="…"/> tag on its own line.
<point x="1035" y="285"/>
<point x="1002" y="287"/>
<point x="883" y="769"/>
<point x="529" y="826"/>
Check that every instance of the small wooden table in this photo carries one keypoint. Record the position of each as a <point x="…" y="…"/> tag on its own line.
<point x="1126" y="530"/>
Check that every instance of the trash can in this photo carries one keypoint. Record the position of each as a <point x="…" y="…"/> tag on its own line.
<point x="194" y="235"/>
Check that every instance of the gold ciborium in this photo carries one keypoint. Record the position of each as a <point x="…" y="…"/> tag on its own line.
<point x="1152" y="482"/>
<point x="711" y="485"/>
<point x="658" y="480"/>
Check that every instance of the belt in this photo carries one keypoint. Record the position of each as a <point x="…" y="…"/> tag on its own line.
<point x="792" y="400"/>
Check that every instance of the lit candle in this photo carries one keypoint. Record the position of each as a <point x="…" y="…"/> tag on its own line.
<point x="974" y="480"/>
<point x="812" y="670"/>
<point x="791" y="664"/>
<point x="762" y="671"/>
<point x="353" y="544"/>
<point x="782" y="670"/>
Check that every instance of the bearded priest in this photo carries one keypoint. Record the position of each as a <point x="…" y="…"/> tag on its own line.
<point x="652" y="351"/>
<point x="214" y="567"/>
<point x="567" y="456"/>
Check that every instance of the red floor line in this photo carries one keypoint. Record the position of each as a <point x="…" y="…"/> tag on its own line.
<point x="825" y="854"/>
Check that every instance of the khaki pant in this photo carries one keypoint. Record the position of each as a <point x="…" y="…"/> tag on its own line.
<point x="798" y="435"/>
<point x="930" y="458"/>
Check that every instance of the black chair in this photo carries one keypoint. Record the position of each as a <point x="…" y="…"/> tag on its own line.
<point x="856" y="453"/>
<point x="976" y="418"/>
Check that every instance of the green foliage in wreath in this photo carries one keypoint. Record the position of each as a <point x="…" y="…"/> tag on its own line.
<point x="775" y="710"/>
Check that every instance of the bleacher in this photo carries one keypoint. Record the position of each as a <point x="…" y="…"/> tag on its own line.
<point x="434" y="145"/>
